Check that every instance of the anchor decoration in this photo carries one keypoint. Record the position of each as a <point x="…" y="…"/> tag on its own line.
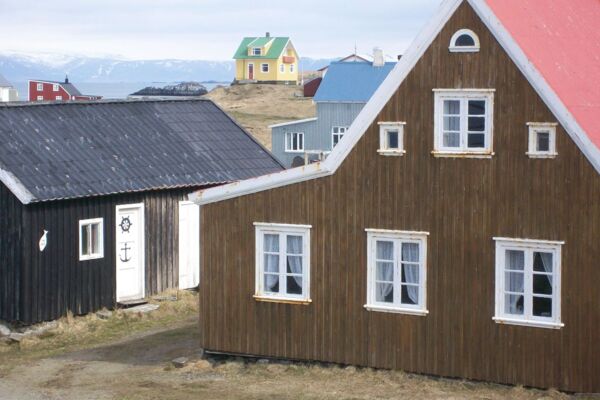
<point x="123" y="255"/>
<point x="125" y="224"/>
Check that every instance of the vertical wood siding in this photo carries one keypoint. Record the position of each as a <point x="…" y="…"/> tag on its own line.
<point x="463" y="203"/>
<point x="54" y="281"/>
<point x="11" y="211"/>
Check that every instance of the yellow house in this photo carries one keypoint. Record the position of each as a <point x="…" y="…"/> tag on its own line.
<point x="266" y="60"/>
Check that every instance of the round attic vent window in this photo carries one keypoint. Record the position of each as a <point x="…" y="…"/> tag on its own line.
<point x="464" y="41"/>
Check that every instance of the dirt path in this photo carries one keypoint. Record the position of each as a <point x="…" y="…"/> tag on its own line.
<point x="139" y="367"/>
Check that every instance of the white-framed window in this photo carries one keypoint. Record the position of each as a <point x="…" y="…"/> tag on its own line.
<point x="264" y="68"/>
<point x="40" y="87"/>
<point x="291" y="67"/>
<point x="397" y="271"/>
<point x="294" y="142"/>
<point x="463" y="122"/>
<point x="282" y="262"/>
<point x="337" y="132"/>
<point x="391" y="138"/>
<point x="55" y="87"/>
<point x="58" y="97"/>
<point x="91" y="239"/>
<point x="282" y="68"/>
<point x="528" y="282"/>
<point x="40" y="98"/>
<point x="542" y="139"/>
<point x="256" y="51"/>
<point x="464" y="41"/>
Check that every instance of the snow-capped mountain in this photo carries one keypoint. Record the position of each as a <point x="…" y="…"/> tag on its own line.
<point x="20" y="67"/>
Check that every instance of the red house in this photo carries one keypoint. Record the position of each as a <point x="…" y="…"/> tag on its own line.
<point x="41" y="90"/>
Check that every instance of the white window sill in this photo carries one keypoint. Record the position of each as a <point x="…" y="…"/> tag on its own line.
<point x="397" y="310"/>
<point x="462" y="154"/>
<point x="535" y="324"/>
<point x="91" y="257"/>
<point x="541" y="155"/>
<point x="285" y="300"/>
<point x="385" y="152"/>
<point x="295" y="151"/>
<point x="463" y="49"/>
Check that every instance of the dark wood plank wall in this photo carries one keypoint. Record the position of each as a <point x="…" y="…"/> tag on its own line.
<point x="463" y="203"/>
<point x="54" y="281"/>
<point x="10" y="252"/>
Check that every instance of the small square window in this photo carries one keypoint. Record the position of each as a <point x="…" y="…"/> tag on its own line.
<point x="59" y="98"/>
<point x="337" y="132"/>
<point x="294" y="142"/>
<point x="264" y="68"/>
<point x="40" y="98"/>
<point x="55" y="88"/>
<point x="40" y="87"/>
<point x="91" y="239"/>
<point x="391" y="138"/>
<point x="542" y="140"/>
<point x="256" y="51"/>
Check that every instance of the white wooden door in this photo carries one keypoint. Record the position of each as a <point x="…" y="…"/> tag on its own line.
<point x="189" y="245"/>
<point x="130" y="251"/>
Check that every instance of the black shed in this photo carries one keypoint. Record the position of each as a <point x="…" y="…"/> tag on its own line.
<point x="93" y="199"/>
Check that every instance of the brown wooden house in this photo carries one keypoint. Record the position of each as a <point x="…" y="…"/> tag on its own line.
<point x="454" y="230"/>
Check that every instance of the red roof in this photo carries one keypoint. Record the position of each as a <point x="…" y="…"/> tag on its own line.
<point x="562" y="40"/>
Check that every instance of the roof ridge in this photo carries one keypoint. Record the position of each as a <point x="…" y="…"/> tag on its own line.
<point x="182" y="99"/>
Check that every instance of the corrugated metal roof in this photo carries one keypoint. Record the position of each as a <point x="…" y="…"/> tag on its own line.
<point x="274" y="52"/>
<point x="562" y="40"/>
<point x="80" y="149"/>
<point x="351" y="81"/>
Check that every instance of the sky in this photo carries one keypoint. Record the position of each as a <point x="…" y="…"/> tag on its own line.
<point x="208" y="29"/>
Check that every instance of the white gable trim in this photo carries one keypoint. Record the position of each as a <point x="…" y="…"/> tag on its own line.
<point x="535" y="78"/>
<point x="299" y="121"/>
<point x="15" y="186"/>
<point x="387" y="89"/>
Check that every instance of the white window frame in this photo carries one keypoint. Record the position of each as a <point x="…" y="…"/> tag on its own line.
<point x="291" y="67"/>
<point x="256" y="53"/>
<point x="262" y="69"/>
<point x="289" y="140"/>
<point x="529" y="246"/>
<point x="40" y="87"/>
<point x="55" y="87"/>
<point x="282" y="68"/>
<point x="100" y="253"/>
<point x="398" y="237"/>
<point x="262" y="228"/>
<point x="58" y="98"/>
<point x="464" y="49"/>
<point x="534" y="129"/>
<point x="463" y="95"/>
<point x="341" y="131"/>
<point x="40" y="98"/>
<point x="384" y="148"/>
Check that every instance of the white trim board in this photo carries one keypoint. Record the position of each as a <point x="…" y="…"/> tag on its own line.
<point x="387" y="89"/>
<point x="298" y="121"/>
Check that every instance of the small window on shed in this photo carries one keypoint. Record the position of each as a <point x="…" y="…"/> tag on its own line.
<point x="542" y="140"/>
<point x="464" y="41"/>
<point x="391" y="138"/>
<point x="91" y="239"/>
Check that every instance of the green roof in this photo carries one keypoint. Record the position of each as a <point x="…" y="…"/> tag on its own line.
<point x="274" y="52"/>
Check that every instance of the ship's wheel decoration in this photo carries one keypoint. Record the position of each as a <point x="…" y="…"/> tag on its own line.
<point x="125" y="224"/>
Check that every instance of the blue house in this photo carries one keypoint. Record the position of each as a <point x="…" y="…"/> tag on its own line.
<point x="344" y="91"/>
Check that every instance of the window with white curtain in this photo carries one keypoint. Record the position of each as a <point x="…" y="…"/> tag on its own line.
<point x="463" y="122"/>
<point x="91" y="239"/>
<point x="282" y="262"/>
<point x="396" y="271"/>
<point x="528" y="282"/>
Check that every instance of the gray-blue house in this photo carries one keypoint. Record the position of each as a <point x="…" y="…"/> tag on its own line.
<point x="345" y="89"/>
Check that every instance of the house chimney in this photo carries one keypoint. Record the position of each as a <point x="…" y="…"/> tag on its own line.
<point x="66" y="78"/>
<point x="267" y="34"/>
<point x="378" y="60"/>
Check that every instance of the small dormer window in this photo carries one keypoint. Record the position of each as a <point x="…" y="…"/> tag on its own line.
<point x="391" y="138"/>
<point x="256" y="51"/>
<point x="464" y="41"/>
<point x="542" y="140"/>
